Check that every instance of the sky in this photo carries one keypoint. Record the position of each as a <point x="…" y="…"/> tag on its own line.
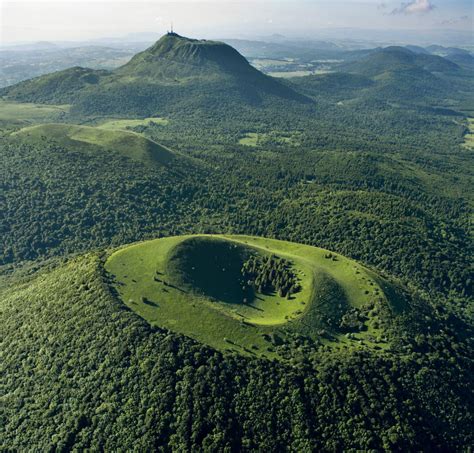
<point x="65" y="20"/>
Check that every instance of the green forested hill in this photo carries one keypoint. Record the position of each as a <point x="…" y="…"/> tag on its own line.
<point x="387" y="213"/>
<point x="394" y="74"/>
<point x="92" y="140"/>
<point x="399" y="58"/>
<point x="176" y="74"/>
<point x="364" y="170"/>
<point x="82" y="372"/>
<point x="175" y="57"/>
<point x="61" y="87"/>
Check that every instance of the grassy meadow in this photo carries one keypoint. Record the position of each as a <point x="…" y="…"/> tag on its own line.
<point x="147" y="278"/>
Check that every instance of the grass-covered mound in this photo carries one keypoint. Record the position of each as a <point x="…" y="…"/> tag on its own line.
<point x="93" y="139"/>
<point x="247" y="294"/>
<point x="219" y="270"/>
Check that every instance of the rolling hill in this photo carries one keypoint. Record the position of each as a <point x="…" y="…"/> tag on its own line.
<point x="84" y="371"/>
<point x="61" y="87"/>
<point x="175" y="74"/>
<point x="92" y="139"/>
<point x="293" y="270"/>
<point x="399" y="59"/>
<point x="394" y="74"/>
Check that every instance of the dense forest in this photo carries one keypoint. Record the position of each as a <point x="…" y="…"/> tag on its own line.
<point x="105" y="379"/>
<point x="342" y="161"/>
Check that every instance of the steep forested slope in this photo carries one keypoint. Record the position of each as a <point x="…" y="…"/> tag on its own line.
<point x="82" y="372"/>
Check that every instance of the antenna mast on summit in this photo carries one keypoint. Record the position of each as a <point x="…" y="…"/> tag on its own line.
<point x="171" y="27"/>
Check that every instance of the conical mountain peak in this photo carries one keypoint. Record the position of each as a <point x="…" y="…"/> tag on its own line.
<point x="177" y="56"/>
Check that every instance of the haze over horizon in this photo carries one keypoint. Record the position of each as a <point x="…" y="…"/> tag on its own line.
<point x="421" y="21"/>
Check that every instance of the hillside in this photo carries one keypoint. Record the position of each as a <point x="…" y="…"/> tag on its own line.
<point x="61" y="87"/>
<point x="175" y="74"/>
<point x="196" y="257"/>
<point x="391" y="59"/>
<point x="91" y="374"/>
<point x="395" y="74"/>
<point x="91" y="140"/>
<point x="18" y="64"/>
<point x="174" y="57"/>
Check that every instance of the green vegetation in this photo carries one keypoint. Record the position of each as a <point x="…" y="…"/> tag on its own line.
<point x="374" y="340"/>
<point x="211" y="288"/>
<point x="135" y="385"/>
<point x="175" y="75"/>
<point x="90" y="139"/>
<point x="30" y="112"/>
<point x="250" y="139"/>
<point x="20" y="64"/>
<point x="469" y="137"/>
<point x="275" y="138"/>
<point x="65" y="86"/>
<point x="270" y="274"/>
<point x="130" y="124"/>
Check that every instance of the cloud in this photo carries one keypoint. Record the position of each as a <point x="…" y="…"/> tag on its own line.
<point x="414" y="7"/>
<point x="454" y="21"/>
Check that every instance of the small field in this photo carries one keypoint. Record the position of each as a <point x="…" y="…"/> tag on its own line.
<point x="193" y="285"/>
<point x="291" y="74"/>
<point x="469" y="137"/>
<point x="254" y="139"/>
<point x="126" y="124"/>
<point x="30" y="112"/>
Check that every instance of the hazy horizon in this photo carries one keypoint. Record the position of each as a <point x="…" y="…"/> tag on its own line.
<point x="436" y="21"/>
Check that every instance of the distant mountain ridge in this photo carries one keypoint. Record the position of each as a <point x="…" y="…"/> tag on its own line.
<point x="396" y="58"/>
<point x="392" y="74"/>
<point x="184" y="76"/>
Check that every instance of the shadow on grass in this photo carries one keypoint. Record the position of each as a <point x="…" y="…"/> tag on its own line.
<point x="150" y="303"/>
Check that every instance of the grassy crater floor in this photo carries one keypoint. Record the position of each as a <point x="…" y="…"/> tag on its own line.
<point x="193" y="285"/>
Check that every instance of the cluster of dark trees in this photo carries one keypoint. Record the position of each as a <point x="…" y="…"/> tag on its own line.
<point x="270" y="274"/>
<point x="354" y="320"/>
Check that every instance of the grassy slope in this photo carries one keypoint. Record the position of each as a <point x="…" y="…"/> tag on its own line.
<point x="114" y="124"/>
<point x="81" y="373"/>
<point x="85" y="138"/>
<point x="29" y="111"/>
<point x="134" y="269"/>
<point x="218" y="270"/>
<point x="14" y="115"/>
